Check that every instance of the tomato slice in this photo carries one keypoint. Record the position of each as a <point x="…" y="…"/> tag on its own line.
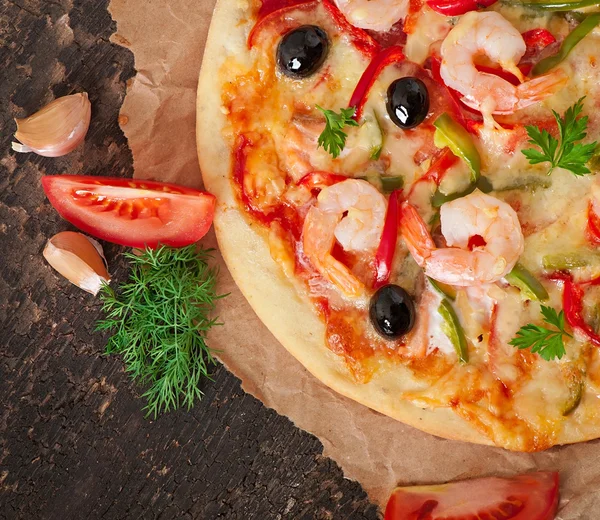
<point x="130" y="212"/>
<point x="526" y="497"/>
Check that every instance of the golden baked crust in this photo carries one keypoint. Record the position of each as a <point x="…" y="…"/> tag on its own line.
<point x="281" y="303"/>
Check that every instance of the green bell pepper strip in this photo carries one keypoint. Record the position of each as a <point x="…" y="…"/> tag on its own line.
<point x="560" y="6"/>
<point x="439" y="198"/>
<point x="566" y="261"/>
<point x="568" y="44"/>
<point x="447" y="291"/>
<point x="387" y="184"/>
<point x="390" y="184"/>
<point x="453" y="329"/>
<point x="453" y="135"/>
<point x="377" y="149"/>
<point x="528" y="184"/>
<point x="575" y="395"/>
<point x="528" y="284"/>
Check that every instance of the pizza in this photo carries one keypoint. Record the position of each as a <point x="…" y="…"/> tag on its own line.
<point x="407" y="199"/>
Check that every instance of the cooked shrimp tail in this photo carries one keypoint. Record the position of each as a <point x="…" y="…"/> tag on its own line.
<point x="495" y="224"/>
<point x="538" y="89"/>
<point x="351" y="212"/>
<point x="492" y="35"/>
<point x="415" y="233"/>
<point x="319" y="246"/>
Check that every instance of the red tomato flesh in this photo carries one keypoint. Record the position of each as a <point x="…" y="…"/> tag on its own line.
<point x="526" y="497"/>
<point x="134" y="213"/>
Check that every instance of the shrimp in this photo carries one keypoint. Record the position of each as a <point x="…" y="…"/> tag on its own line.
<point x="299" y="153"/>
<point x="377" y="15"/>
<point x="359" y="231"/>
<point x="301" y="135"/>
<point x="490" y="34"/>
<point x="477" y="215"/>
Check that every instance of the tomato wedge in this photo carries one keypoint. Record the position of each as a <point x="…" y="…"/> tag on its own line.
<point x="130" y="212"/>
<point x="526" y="497"/>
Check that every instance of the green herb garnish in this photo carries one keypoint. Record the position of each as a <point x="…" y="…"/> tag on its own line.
<point x="159" y="320"/>
<point x="333" y="138"/>
<point x="567" y="153"/>
<point x="548" y="343"/>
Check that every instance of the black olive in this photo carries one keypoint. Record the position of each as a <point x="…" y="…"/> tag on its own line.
<point x="407" y="102"/>
<point x="392" y="311"/>
<point x="302" y="51"/>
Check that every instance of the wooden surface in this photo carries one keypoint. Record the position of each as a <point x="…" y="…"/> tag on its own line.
<point x="73" y="440"/>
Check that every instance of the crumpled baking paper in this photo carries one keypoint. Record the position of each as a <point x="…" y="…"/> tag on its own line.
<point x="158" y="117"/>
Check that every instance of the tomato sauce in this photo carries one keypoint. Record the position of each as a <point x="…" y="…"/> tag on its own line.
<point x="483" y="399"/>
<point x="274" y="14"/>
<point x="346" y="333"/>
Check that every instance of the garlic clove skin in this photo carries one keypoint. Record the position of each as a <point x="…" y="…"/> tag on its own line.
<point x="57" y="129"/>
<point x="79" y="259"/>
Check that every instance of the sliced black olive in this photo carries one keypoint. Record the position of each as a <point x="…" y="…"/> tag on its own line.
<point x="392" y="311"/>
<point x="301" y="52"/>
<point x="407" y="102"/>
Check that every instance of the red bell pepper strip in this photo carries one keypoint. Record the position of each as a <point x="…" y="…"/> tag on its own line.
<point x="537" y="39"/>
<point x="440" y="166"/>
<point x="587" y="25"/>
<point x="272" y="12"/>
<point x="457" y="105"/>
<point x="593" y="226"/>
<point x="316" y="180"/>
<point x="387" y="247"/>
<point x="270" y="6"/>
<point x="378" y="63"/>
<point x="573" y="307"/>
<point x="458" y="7"/>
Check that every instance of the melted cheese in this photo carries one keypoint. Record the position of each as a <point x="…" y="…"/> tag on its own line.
<point x="431" y="28"/>
<point x="514" y="397"/>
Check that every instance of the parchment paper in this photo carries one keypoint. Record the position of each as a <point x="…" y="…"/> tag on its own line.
<point x="158" y="116"/>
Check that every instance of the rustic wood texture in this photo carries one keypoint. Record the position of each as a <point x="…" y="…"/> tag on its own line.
<point x="73" y="439"/>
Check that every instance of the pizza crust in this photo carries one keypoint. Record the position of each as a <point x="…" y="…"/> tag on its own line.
<point x="261" y="280"/>
<point x="274" y="298"/>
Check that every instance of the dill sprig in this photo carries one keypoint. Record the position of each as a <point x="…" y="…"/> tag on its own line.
<point x="159" y="320"/>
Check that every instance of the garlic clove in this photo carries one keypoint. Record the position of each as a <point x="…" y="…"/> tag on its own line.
<point x="79" y="259"/>
<point x="56" y="129"/>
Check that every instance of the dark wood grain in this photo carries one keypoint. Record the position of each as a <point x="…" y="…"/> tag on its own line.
<point x="73" y="440"/>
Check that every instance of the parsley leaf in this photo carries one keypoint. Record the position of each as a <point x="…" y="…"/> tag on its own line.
<point x="548" y="343"/>
<point x="566" y="153"/>
<point x="333" y="138"/>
